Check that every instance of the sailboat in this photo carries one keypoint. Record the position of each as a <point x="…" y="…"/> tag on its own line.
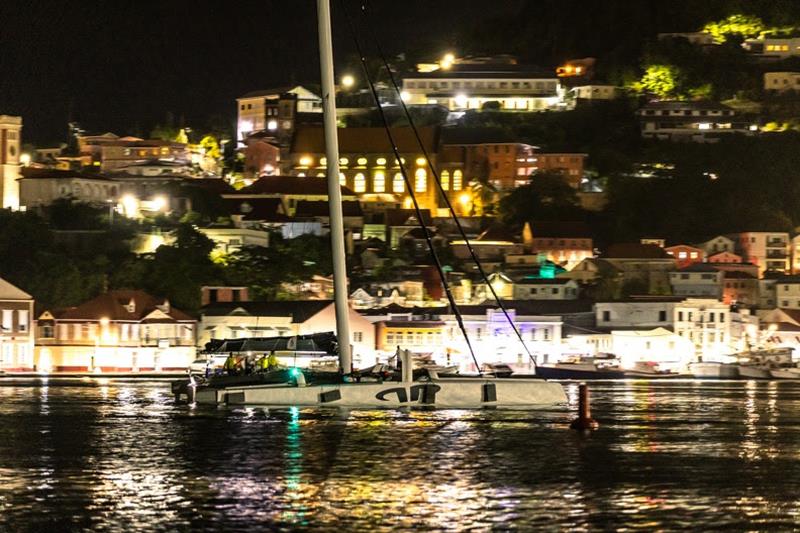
<point x="427" y="390"/>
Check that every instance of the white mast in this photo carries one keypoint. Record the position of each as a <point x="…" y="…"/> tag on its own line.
<point x="334" y="191"/>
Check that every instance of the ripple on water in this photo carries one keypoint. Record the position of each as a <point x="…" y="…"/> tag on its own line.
<point x="122" y="456"/>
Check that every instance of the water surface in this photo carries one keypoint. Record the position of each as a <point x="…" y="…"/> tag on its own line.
<point x="669" y="455"/>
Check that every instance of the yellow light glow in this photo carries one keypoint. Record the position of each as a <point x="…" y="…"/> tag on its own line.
<point x="420" y="161"/>
<point x="25" y="159"/>
<point x="130" y="205"/>
<point x="348" y="81"/>
<point x="343" y="161"/>
<point x="104" y="321"/>
<point x="405" y="96"/>
<point x="381" y="161"/>
<point x="447" y="61"/>
<point x="362" y="161"/>
<point x="306" y="161"/>
<point x="464" y="199"/>
<point x="272" y="125"/>
<point x="159" y="203"/>
<point x="408" y="204"/>
<point x="323" y="161"/>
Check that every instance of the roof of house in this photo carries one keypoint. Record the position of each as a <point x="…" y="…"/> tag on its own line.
<point x="565" y="230"/>
<point x="498" y="233"/>
<point x="790" y="280"/>
<point x="298" y="310"/>
<point x="738" y="274"/>
<point x="676" y="105"/>
<point x="407" y="217"/>
<point x="699" y="267"/>
<point x="487" y="70"/>
<point x="263" y="209"/>
<point x="217" y="185"/>
<point x="11" y="292"/>
<point x="532" y="307"/>
<point x="635" y="251"/>
<point x="311" y="139"/>
<point x="298" y="185"/>
<point x="112" y="305"/>
<point x="52" y="173"/>
<point x="307" y="208"/>
<point x="274" y="91"/>
<point x="467" y="136"/>
<point x="521" y="280"/>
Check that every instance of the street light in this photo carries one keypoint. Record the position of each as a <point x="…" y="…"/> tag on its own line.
<point x="348" y="81"/>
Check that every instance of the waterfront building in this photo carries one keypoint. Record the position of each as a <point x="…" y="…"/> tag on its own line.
<point x="646" y="263"/>
<point x="16" y="333"/>
<point x="662" y="346"/>
<point x="230" y="320"/>
<point x="118" y="331"/>
<point x="10" y="153"/>
<point x="636" y="313"/>
<point x="715" y="328"/>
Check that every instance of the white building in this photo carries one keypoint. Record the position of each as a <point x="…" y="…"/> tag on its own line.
<point x="646" y="313"/>
<point x="16" y="333"/>
<point x="782" y="81"/>
<point x="119" y="331"/>
<point x="466" y="85"/>
<point x="261" y="110"/>
<point x="787" y="293"/>
<point x="770" y="47"/>
<point x="545" y="289"/>
<point x="768" y="250"/>
<point x="698" y="280"/>
<point x="714" y="328"/>
<point x="690" y="121"/>
<point x="667" y="349"/>
<point x="596" y="92"/>
<point x="10" y="148"/>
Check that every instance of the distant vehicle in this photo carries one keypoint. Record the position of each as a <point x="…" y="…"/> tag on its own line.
<point x="212" y="362"/>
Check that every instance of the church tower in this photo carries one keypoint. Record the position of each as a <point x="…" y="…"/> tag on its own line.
<point x="10" y="146"/>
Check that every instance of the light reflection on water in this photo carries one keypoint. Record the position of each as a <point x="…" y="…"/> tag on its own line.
<point x="122" y="456"/>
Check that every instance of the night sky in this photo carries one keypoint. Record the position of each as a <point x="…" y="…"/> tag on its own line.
<point x="122" y="65"/>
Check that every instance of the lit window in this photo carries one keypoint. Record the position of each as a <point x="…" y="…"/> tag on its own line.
<point x="362" y="161"/>
<point x="445" y="179"/>
<point x="420" y="161"/>
<point x="344" y="161"/>
<point x="379" y="182"/>
<point x="342" y="179"/>
<point x="457" y="180"/>
<point x="323" y="161"/>
<point x="398" y="185"/>
<point x="420" y="180"/>
<point x="306" y="161"/>
<point x="360" y="183"/>
<point x="380" y="161"/>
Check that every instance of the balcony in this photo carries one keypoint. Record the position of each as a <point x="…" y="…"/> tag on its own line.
<point x="777" y="254"/>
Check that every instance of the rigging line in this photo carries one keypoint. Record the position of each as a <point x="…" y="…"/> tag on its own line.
<point x="441" y="189"/>
<point x="410" y="187"/>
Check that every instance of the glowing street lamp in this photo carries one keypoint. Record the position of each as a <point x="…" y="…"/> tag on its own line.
<point x="159" y="203"/>
<point x="25" y="159"/>
<point x="447" y="61"/>
<point x="348" y="81"/>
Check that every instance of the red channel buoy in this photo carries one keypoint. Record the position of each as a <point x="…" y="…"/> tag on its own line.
<point x="584" y="422"/>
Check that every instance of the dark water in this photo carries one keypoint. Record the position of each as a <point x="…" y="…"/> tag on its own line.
<point x="121" y="456"/>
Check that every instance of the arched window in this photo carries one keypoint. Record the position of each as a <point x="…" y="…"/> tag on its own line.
<point x="398" y="184"/>
<point x="420" y="180"/>
<point x="457" y="180"/>
<point x="342" y="179"/>
<point x="360" y="183"/>
<point x="444" y="177"/>
<point x="379" y="182"/>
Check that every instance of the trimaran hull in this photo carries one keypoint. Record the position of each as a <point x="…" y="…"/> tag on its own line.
<point x="452" y="393"/>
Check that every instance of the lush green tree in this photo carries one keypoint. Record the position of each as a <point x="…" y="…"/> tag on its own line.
<point x="737" y="25"/>
<point x="546" y="197"/>
<point x="663" y="81"/>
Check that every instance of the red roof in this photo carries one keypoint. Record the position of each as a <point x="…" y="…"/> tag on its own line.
<point x="299" y="185"/>
<point x="113" y="305"/>
<point x="365" y="140"/>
